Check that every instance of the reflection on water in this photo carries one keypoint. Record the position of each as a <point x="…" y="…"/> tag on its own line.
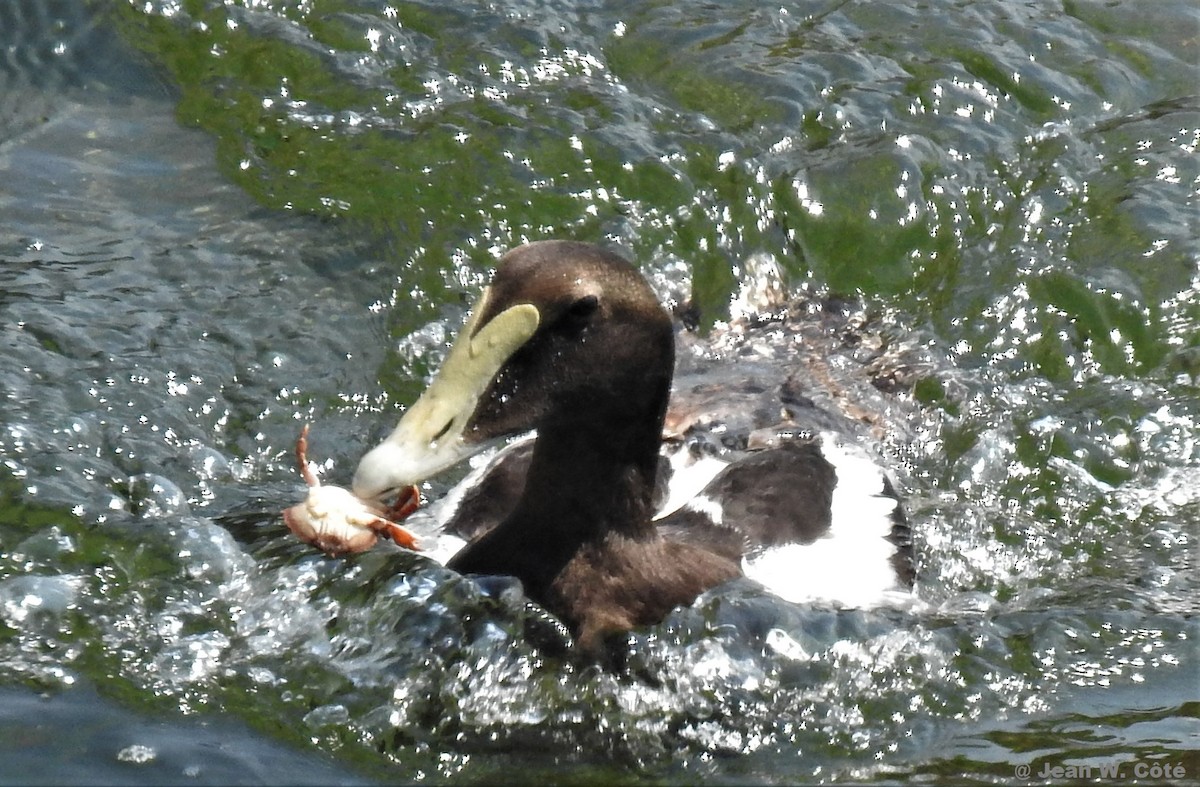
<point x="1009" y="192"/>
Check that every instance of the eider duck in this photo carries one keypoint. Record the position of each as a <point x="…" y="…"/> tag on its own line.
<point x="570" y="344"/>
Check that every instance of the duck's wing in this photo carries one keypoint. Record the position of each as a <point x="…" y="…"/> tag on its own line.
<point x="764" y="499"/>
<point x="810" y="519"/>
<point x="489" y="493"/>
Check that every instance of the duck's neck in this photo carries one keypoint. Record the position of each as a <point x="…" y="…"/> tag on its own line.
<point x="595" y="475"/>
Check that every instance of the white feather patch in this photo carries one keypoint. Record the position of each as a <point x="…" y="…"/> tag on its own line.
<point x="689" y="475"/>
<point x="702" y="504"/>
<point x="851" y="565"/>
<point x="429" y="522"/>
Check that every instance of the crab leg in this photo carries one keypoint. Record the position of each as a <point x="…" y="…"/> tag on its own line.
<point x="408" y="502"/>
<point x="401" y="536"/>
<point x="306" y="472"/>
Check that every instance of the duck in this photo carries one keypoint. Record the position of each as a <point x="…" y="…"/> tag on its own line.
<point x="567" y="360"/>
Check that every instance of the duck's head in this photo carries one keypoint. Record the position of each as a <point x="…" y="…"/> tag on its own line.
<point x="568" y="339"/>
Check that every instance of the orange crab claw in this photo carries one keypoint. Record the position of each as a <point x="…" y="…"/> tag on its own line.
<point x="408" y="502"/>
<point x="402" y="537"/>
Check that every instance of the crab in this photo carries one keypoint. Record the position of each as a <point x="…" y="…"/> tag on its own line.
<point x="336" y="522"/>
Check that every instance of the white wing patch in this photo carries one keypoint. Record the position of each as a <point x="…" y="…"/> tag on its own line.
<point x="429" y="522"/>
<point x="702" y="504"/>
<point x="851" y="565"/>
<point x="689" y="476"/>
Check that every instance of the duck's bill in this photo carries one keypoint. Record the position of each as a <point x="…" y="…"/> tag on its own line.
<point x="431" y="436"/>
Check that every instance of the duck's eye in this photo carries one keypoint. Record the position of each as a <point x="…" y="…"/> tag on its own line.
<point x="583" y="307"/>
<point x="575" y="318"/>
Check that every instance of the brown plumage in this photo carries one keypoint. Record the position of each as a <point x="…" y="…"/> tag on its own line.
<point x="594" y="381"/>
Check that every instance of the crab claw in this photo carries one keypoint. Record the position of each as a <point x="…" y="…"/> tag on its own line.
<point x="401" y="536"/>
<point x="408" y="502"/>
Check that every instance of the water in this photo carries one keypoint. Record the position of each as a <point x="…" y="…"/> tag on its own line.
<point x="220" y="221"/>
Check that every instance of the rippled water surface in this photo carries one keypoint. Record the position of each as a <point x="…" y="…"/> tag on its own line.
<point x="219" y="220"/>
